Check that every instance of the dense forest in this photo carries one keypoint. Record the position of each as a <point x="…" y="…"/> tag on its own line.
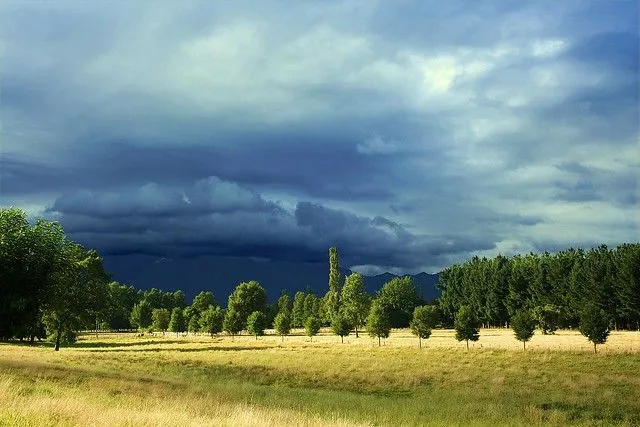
<point x="53" y="287"/>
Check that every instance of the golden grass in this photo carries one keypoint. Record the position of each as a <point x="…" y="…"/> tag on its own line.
<point x="120" y="379"/>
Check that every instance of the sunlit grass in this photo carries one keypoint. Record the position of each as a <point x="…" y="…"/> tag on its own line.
<point x="125" y="380"/>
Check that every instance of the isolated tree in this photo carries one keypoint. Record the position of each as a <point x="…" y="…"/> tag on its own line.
<point x="332" y="298"/>
<point x="211" y="320"/>
<point x="467" y="325"/>
<point x="523" y="325"/>
<point x="299" y="309"/>
<point x="548" y="318"/>
<point x="282" y="324"/>
<point x="141" y="315"/>
<point x="247" y="298"/>
<point x="160" y="319"/>
<point x="177" y="323"/>
<point x="355" y="301"/>
<point x="340" y="326"/>
<point x="399" y="298"/>
<point x="378" y="322"/>
<point x="423" y="321"/>
<point x="312" y="326"/>
<point x="233" y="322"/>
<point x="594" y="324"/>
<point x="256" y="323"/>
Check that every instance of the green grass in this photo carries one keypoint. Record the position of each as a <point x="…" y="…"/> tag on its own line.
<point x="168" y="380"/>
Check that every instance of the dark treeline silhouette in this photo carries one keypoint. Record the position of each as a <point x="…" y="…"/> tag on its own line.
<point x="558" y="285"/>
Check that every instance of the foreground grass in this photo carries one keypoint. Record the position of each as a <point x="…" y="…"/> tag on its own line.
<point x="120" y="380"/>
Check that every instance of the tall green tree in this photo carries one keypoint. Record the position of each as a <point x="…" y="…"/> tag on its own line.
<point x="211" y="320"/>
<point x="340" y="326"/>
<point x="355" y="301"/>
<point x="177" y="322"/>
<point x="399" y="298"/>
<point x="299" y="309"/>
<point x="467" y="325"/>
<point x="378" y="321"/>
<point x="245" y="299"/>
<point x="424" y="320"/>
<point x="141" y="315"/>
<point x="594" y="324"/>
<point x="160" y="319"/>
<point x="282" y="324"/>
<point x="256" y="323"/>
<point x="523" y="325"/>
<point x="202" y="301"/>
<point x="312" y="326"/>
<point x="332" y="298"/>
<point x="233" y="322"/>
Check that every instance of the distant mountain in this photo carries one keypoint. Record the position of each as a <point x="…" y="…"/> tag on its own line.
<point x="221" y="275"/>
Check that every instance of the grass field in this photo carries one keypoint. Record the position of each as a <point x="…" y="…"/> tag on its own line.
<point x="127" y="380"/>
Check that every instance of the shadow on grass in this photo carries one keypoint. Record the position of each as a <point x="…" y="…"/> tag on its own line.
<point x="107" y="344"/>
<point x="184" y="350"/>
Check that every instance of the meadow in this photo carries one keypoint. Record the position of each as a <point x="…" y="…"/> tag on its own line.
<point x="122" y="379"/>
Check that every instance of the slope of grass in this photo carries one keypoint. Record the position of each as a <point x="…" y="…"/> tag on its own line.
<point x="120" y="380"/>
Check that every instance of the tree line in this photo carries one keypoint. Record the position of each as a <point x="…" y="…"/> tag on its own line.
<point x="53" y="287"/>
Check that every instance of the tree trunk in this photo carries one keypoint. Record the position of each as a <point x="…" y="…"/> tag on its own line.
<point x="594" y="349"/>
<point x="467" y="344"/>
<point x="341" y="339"/>
<point x="524" y="345"/>
<point x="58" y="333"/>
<point x="378" y="341"/>
<point x="420" y="341"/>
<point x="356" y="332"/>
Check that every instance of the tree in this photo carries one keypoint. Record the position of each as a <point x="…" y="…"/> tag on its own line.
<point x="194" y="324"/>
<point x="399" y="298"/>
<point x="256" y="323"/>
<point x="299" y="309"/>
<point x="332" y="298"/>
<point x="177" y="323"/>
<point x="202" y="301"/>
<point x="424" y="320"/>
<point x="233" y="322"/>
<point x="594" y="324"/>
<point x="284" y="303"/>
<point x="467" y="325"/>
<point x="378" y="322"/>
<point x="247" y="298"/>
<point x="282" y="324"/>
<point x="340" y="326"/>
<point x="312" y="326"/>
<point x="355" y="301"/>
<point x="523" y="325"/>
<point x="160" y="319"/>
<point x="547" y="317"/>
<point x="141" y="315"/>
<point x="211" y="320"/>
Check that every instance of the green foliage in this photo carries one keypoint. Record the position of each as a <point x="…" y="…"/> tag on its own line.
<point x="332" y="297"/>
<point x="284" y="303"/>
<point x="160" y="319"/>
<point x="312" y="326"/>
<point x="202" y="301"/>
<point x="523" y="325"/>
<point x="399" y="298"/>
<point x="141" y="315"/>
<point x="194" y="324"/>
<point x="233" y="322"/>
<point x="424" y="320"/>
<point x="299" y="309"/>
<point x="594" y="324"/>
<point x="282" y="324"/>
<point x="211" y="320"/>
<point x="355" y="301"/>
<point x="467" y="325"/>
<point x="378" y="322"/>
<point x="177" y="322"/>
<point x="245" y="299"/>
<point x="340" y="326"/>
<point x="256" y="323"/>
<point x="547" y="317"/>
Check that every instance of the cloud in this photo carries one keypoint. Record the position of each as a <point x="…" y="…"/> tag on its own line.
<point x="412" y="134"/>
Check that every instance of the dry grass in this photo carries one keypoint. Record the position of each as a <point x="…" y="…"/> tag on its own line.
<point x="124" y="380"/>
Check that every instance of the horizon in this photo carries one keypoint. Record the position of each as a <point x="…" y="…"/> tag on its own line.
<point x="412" y="136"/>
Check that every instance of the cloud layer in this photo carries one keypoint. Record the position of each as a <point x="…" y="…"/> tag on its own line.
<point x="410" y="134"/>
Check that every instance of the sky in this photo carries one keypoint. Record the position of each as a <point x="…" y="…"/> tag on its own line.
<point x="409" y="134"/>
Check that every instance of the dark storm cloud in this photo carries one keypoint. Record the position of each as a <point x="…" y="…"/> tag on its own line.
<point x="409" y="134"/>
